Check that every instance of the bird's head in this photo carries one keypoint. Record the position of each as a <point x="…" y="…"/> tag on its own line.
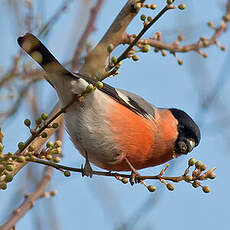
<point x="188" y="132"/>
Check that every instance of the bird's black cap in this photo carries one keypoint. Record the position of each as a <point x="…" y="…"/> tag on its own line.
<point x="187" y="128"/>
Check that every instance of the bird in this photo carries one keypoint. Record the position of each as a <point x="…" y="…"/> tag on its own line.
<point x="112" y="128"/>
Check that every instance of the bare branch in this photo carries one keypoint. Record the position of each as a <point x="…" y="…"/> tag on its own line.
<point x="37" y="142"/>
<point x="29" y="201"/>
<point x="88" y="30"/>
<point x="111" y="174"/>
<point x="175" y="48"/>
<point x="95" y="61"/>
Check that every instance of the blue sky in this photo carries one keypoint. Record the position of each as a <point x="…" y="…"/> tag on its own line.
<point x="105" y="203"/>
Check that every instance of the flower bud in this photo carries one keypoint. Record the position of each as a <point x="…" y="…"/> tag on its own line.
<point x="180" y="61"/>
<point x="27" y="122"/>
<point x="53" y="192"/>
<point x="143" y="17"/>
<point x="153" y="6"/>
<point x="38" y="121"/>
<point x="21" y="145"/>
<point x="188" y="178"/>
<point x="3" y="186"/>
<point x="124" y="180"/>
<point x="114" y="59"/>
<point x="135" y="58"/>
<point x="145" y="48"/>
<point x="110" y="48"/>
<point x="191" y="161"/>
<point x="206" y="189"/>
<point x="169" y="2"/>
<point x="49" y="144"/>
<point x="67" y="173"/>
<point x="149" y="18"/>
<point x="58" y="143"/>
<point x="196" y="184"/>
<point x="44" y="135"/>
<point x="21" y="159"/>
<point x="31" y="148"/>
<point x="198" y="164"/>
<point x="99" y="85"/>
<point x="55" y="125"/>
<point x="137" y="6"/>
<point x="211" y="176"/>
<point x="8" y="178"/>
<point x="203" y="167"/>
<point x="44" y="116"/>
<point x="10" y="168"/>
<point x="182" y="6"/>
<point x="49" y="157"/>
<point x="151" y="188"/>
<point x="89" y="88"/>
<point x="57" y="159"/>
<point x="170" y="187"/>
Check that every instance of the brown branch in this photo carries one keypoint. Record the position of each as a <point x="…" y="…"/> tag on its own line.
<point x="175" y="48"/>
<point x="12" y="73"/>
<point x="135" y="41"/>
<point x="11" y="111"/>
<point x="29" y="201"/>
<point x="142" y="32"/>
<point x="46" y="27"/>
<point x="111" y="174"/>
<point x="37" y="142"/>
<point x="95" y="61"/>
<point x="46" y="126"/>
<point x="38" y="193"/>
<point x="88" y="30"/>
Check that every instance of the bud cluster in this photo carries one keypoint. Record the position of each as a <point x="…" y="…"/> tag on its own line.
<point x="7" y="166"/>
<point x="194" y="179"/>
<point x="53" y="151"/>
<point x="39" y="123"/>
<point x="198" y="174"/>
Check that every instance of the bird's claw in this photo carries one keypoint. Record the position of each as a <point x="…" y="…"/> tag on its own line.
<point x="87" y="170"/>
<point x="134" y="178"/>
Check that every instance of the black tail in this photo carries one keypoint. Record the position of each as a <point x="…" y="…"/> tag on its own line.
<point x="40" y="53"/>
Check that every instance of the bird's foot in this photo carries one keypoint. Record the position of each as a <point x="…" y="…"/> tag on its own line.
<point x="87" y="169"/>
<point x="134" y="178"/>
<point x="134" y="174"/>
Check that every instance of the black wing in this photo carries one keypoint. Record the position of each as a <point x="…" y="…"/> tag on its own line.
<point x="132" y="101"/>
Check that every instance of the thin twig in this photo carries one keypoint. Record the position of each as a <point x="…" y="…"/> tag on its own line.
<point x="96" y="59"/>
<point x="88" y="30"/>
<point x="39" y="191"/>
<point x="33" y="137"/>
<point x="29" y="201"/>
<point x="134" y="42"/>
<point x="186" y="48"/>
<point x="11" y="111"/>
<point x="46" y="27"/>
<point x="111" y="174"/>
<point x="142" y="32"/>
<point x="37" y="143"/>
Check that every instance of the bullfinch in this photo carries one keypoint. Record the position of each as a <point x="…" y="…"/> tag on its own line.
<point x="112" y="128"/>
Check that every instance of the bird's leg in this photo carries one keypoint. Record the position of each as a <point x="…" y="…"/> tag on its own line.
<point x="87" y="170"/>
<point x="134" y="174"/>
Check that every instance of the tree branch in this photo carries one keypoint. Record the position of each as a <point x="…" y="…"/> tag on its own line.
<point x="111" y="174"/>
<point x="37" y="142"/>
<point x="88" y="30"/>
<point x="175" y="48"/>
<point x="95" y="61"/>
<point x="29" y="201"/>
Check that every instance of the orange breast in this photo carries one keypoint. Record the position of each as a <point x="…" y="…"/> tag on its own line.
<point x="140" y="139"/>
